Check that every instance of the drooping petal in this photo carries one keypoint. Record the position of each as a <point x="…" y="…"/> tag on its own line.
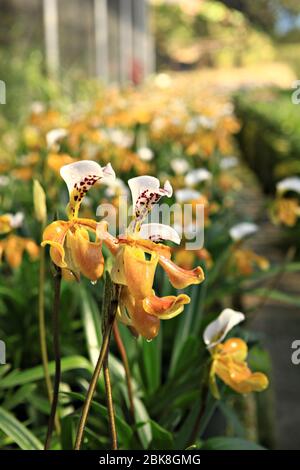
<point x="157" y="232"/>
<point x="80" y="177"/>
<point x="179" y="277"/>
<point x="54" y="235"/>
<point x="86" y="255"/>
<point x="143" y="323"/>
<point x="216" y="331"/>
<point x="146" y="192"/>
<point x="167" y="307"/>
<point x="239" y="377"/>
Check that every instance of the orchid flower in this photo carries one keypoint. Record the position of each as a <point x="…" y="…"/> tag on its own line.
<point x="229" y="358"/>
<point x="137" y="257"/>
<point x="70" y="246"/>
<point x="286" y="209"/>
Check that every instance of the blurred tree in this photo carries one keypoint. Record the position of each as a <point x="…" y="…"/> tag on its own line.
<point x="260" y="12"/>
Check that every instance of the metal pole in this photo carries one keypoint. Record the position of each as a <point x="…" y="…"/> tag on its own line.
<point x="101" y="39"/>
<point x="50" y="12"/>
<point x="126" y="40"/>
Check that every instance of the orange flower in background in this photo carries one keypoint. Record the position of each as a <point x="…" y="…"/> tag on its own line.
<point x="70" y="246"/>
<point x="13" y="248"/>
<point x="229" y="358"/>
<point x="136" y="261"/>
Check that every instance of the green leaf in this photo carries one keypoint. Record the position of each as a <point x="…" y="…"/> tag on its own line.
<point x="230" y="443"/>
<point x="18" y="432"/>
<point x="277" y="295"/>
<point x="36" y="373"/>
<point x="151" y="362"/>
<point x="124" y="431"/>
<point x="162" y="439"/>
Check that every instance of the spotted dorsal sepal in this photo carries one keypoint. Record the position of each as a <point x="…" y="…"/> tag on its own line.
<point x="79" y="191"/>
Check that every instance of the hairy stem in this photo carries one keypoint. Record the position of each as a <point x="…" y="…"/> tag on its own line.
<point x="124" y="358"/>
<point x="56" y="347"/>
<point x="110" y="405"/>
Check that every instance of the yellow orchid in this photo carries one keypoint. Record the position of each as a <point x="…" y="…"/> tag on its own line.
<point x="70" y="246"/>
<point x="8" y="222"/>
<point x="229" y="358"/>
<point x="13" y="248"/>
<point x="286" y="210"/>
<point x="137" y="256"/>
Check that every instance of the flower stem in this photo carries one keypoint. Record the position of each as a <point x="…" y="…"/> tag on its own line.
<point x="124" y="358"/>
<point x="110" y="305"/>
<point x="42" y="333"/>
<point x="110" y="405"/>
<point x="56" y="345"/>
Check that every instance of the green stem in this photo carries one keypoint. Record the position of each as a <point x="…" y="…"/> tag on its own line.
<point x="110" y="305"/>
<point x="42" y="333"/>
<point x="110" y="405"/>
<point x="124" y="358"/>
<point x="56" y="346"/>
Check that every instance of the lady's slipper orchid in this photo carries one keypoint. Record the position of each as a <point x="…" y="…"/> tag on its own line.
<point x="137" y="258"/>
<point x="8" y="222"/>
<point x="229" y="358"/>
<point x="70" y="246"/>
<point x="13" y="248"/>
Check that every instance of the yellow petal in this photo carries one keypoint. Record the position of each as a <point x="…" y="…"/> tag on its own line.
<point x="14" y="248"/>
<point x="32" y="248"/>
<point x="167" y="307"/>
<point x="139" y="272"/>
<point x="236" y="348"/>
<point x="86" y="255"/>
<point x="143" y="323"/>
<point x="54" y="235"/>
<point x="179" y="277"/>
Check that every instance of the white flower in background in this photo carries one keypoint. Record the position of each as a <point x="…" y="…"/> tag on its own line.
<point x="119" y="137"/>
<point x="4" y="181"/>
<point x="227" y="109"/>
<point x="207" y="122"/>
<point x="197" y="176"/>
<point x="179" y="166"/>
<point x="54" y="136"/>
<point x="116" y="188"/>
<point x="163" y="81"/>
<point x="228" y="162"/>
<point x="186" y="194"/>
<point x="16" y="220"/>
<point x="289" y="184"/>
<point x="37" y="107"/>
<point x="192" y="126"/>
<point x="216" y="331"/>
<point x="145" y="154"/>
<point x="242" y="230"/>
